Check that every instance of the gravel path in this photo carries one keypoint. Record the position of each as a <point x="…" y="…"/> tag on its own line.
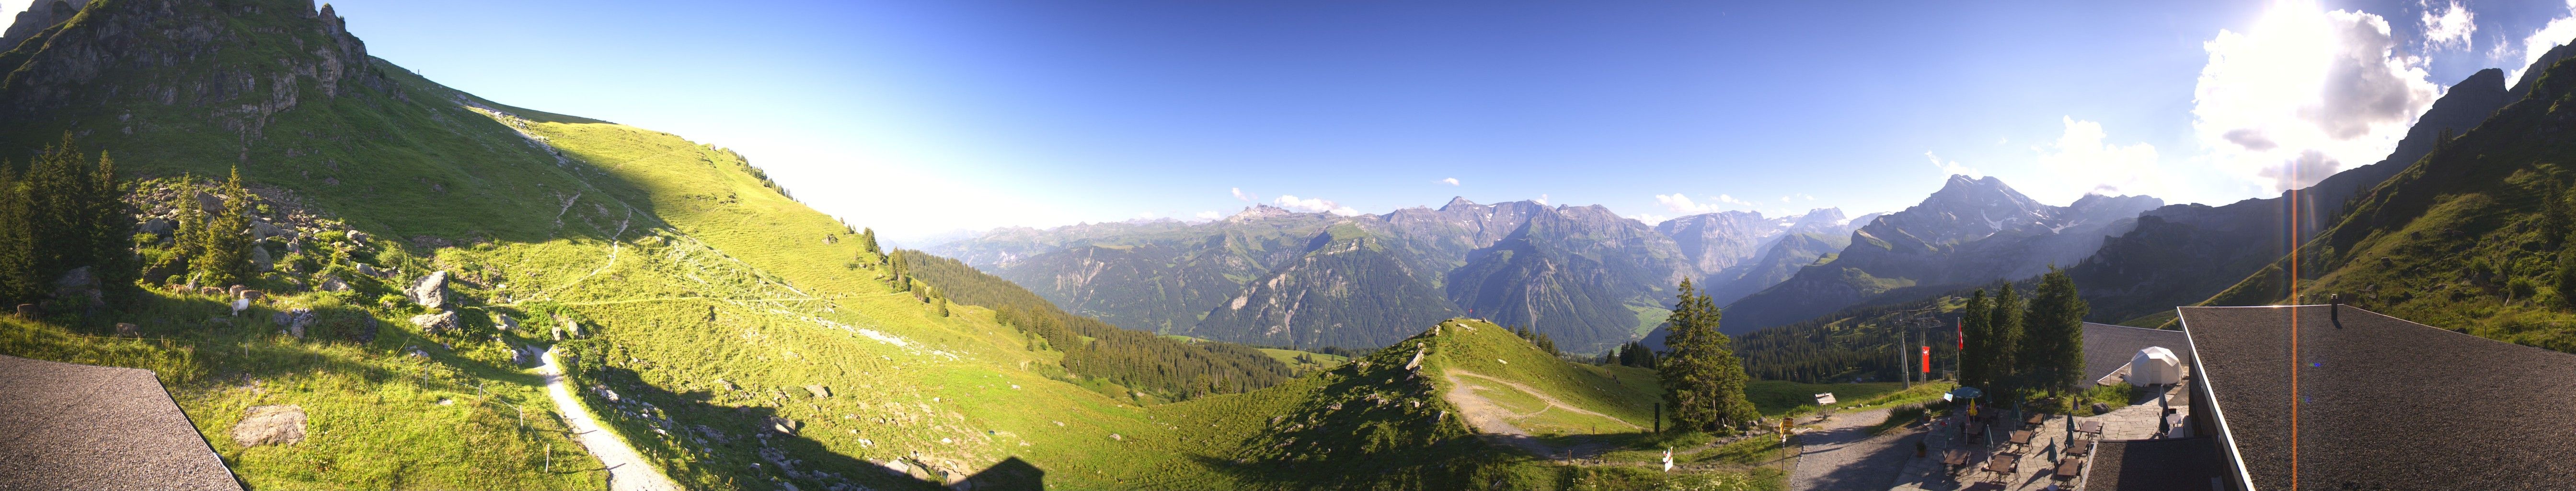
<point x="1493" y="423"/>
<point x="627" y="470"/>
<point x="1843" y="456"/>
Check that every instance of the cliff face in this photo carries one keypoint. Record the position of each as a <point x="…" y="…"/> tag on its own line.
<point x="236" y="65"/>
<point x="38" y="16"/>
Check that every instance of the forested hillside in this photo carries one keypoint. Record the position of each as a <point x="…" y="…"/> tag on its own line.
<point x="1169" y="368"/>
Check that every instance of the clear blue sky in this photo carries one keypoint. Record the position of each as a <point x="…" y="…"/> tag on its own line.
<point x="923" y="117"/>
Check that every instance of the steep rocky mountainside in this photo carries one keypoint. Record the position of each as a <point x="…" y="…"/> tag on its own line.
<point x="1971" y="231"/>
<point x="1588" y="277"/>
<point x="2181" y="254"/>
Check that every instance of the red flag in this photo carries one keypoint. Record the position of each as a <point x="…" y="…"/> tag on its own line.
<point x="1960" y="332"/>
<point x="1927" y="359"/>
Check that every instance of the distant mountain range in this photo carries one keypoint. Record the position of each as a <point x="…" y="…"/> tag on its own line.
<point x="1587" y="277"/>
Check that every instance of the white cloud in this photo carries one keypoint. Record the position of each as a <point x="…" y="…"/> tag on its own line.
<point x="2451" y="29"/>
<point x="1649" y="218"/>
<point x="1680" y="203"/>
<point x="2080" y="160"/>
<point x="2305" y="91"/>
<point x="1805" y="196"/>
<point x="1240" y="195"/>
<point x="1449" y="181"/>
<point x="2557" y="32"/>
<point x="1147" y="215"/>
<point x="1542" y="199"/>
<point x="1312" y="205"/>
<point x="1209" y="215"/>
<point x="1730" y="199"/>
<point x="1952" y="167"/>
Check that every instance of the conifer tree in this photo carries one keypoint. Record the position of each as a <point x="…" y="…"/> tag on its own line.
<point x="2003" y="330"/>
<point x="1702" y="379"/>
<point x="868" y="241"/>
<point x="1976" y="359"/>
<point x="17" y="239"/>
<point x="2053" y="338"/>
<point x="224" y="257"/>
<point x="2554" y="214"/>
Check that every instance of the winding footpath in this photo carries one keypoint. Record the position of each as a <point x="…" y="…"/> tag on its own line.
<point x="627" y="470"/>
<point x="1492" y="422"/>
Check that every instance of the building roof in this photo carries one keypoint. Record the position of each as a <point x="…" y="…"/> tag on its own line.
<point x="2382" y="403"/>
<point x="2177" y="464"/>
<point x="2108" y="347"/>
<point x="68" y="426"/>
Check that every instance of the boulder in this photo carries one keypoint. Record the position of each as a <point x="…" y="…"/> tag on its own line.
<point x="333" y="284"/>
<point x="364" y="269"/>
<point x="431" y="291"/>
<point x="558" y="334"/>
<point x="819" y="391"/>
<point x="213" y="291"/>
<point x="261" y="260"/>
<point x="365" y="330"/>
<point x="128" y="329"/>
<point x="210" y="202"/>
<point x="262" y="229"/>
<point x="358" y="237"/>
<point x="234" y="291"/>
<point x="507" y="323"/>
<point x="155" y="226"/>
<point x="249" y="294"/>
<point x="783" y="425"/>
<point x="572" y="328"/>
<point x="295" y="320"/>
<point x="294" y="246"/>
<point x="79" y="283"/>
<point x="270" y="425"/>
<point x="434" y="323"/>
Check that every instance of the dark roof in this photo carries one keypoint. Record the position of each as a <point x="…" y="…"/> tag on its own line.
<point x="2107" y="347"/>
<point x="2179" y="464"/>
<point x="67" y="426"/>
<point x="2383" y="403"/>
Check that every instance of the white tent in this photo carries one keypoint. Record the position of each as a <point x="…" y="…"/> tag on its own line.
<point x="2153" y="366"/>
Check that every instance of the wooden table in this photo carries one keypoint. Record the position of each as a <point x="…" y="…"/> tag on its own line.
<point x="2069" y="468"/>
<point x="2080" y="447"/>
<point x="2003" y="464"/>
<point x="2035" y="419"/>
<point x="2093" y="427"/>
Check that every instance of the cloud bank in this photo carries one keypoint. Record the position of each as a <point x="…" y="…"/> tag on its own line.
<point x="2304" y="93"/>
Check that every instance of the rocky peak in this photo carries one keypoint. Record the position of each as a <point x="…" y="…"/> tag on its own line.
<point x="1458" y="202"/>
<point x="40" y="14"/>
<point x="241" y="63"/>
<point x="1257" y="212"/>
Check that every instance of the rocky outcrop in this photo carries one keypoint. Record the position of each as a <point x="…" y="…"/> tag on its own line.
<point x="40" y="14"/>
<point x="270" y="425"/>
<point x="77" y="64"/>
<point x="435" y="323"/>
<point x="430" y="291"/>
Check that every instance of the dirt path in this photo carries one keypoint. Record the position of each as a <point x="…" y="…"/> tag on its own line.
<point x="1843" y="456"/>
<point x="627" y="470"/>
<point x="1493" y="422"/>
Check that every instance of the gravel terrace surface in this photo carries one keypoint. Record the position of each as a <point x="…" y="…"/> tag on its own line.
<point x="71" y="426"/>
<point x="1843" y="456"/>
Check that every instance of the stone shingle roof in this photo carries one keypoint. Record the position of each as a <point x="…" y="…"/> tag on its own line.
<point x="2179" y="464"/>
<point x="2383" y="403"/>
<point x="68" y="426"/>
<point x="2108" y="347"/>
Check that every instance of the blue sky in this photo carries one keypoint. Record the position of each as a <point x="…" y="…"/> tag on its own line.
<point x="924" y="117"/>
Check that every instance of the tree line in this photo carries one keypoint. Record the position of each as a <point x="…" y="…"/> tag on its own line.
<point x="1138" y="359"/>
<point x="2015" y="345"/>
<point x="61" y="213"/>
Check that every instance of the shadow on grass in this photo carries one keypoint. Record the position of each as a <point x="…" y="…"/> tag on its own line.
<point x="713" y="445"/>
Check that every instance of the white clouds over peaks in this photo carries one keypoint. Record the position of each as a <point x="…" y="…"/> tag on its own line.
<point x="1240" y="195"/>
<point x="1542" y="200"/>
<point x="1953" y="167"/>
<point x="2451" y="29"/>
<point x="2080" y="160"/>
<point x="1209" y="215"/>
<point x="1681" y="203"/>
<point x="2305" y="92"/>
<point x="1449" y="181"/>
<point x="1312" y="205"/>
<point x="2557" y="32"/>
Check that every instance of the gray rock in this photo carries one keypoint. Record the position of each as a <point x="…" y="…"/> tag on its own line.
<point x="433" y="323"/>
<point x="259" y="258"/>
<point x="262" y="229"/>
<point x="128" y="329"/>
<point x="572" y="328"/>
<point x="79" y="283"/>
<point x="558" y="334"/>
<point x="295" y="246"/>
<point x="819" y="390"/>
<point x="508" y="324"/>
<point x="209" y="202"/>
<point x="782" y="425"/>
<point x="332" y="284"/>
<point x="431" y="291"/>
<point x="270" y="425"/>
<point x="295" y="320"/>
<point x="155" y="226"/>
<point x="358" y="237"/>
<point x="727" y="384"/>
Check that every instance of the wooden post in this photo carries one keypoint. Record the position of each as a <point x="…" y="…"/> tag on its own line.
<point x="1659" y="418"/>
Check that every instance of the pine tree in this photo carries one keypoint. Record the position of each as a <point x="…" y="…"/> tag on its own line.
<point x="224" y="257"/>
<point x="2053" y="344"/>
<point x="942" y="302"/>
<point x="2554" y="214"/>
<point x="2003" y="329"/>
<point x="868" y="241"/>
<point x="1976" y="358"/>
<point x="18" y="278"/>
<point x="1702" y="380"/>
